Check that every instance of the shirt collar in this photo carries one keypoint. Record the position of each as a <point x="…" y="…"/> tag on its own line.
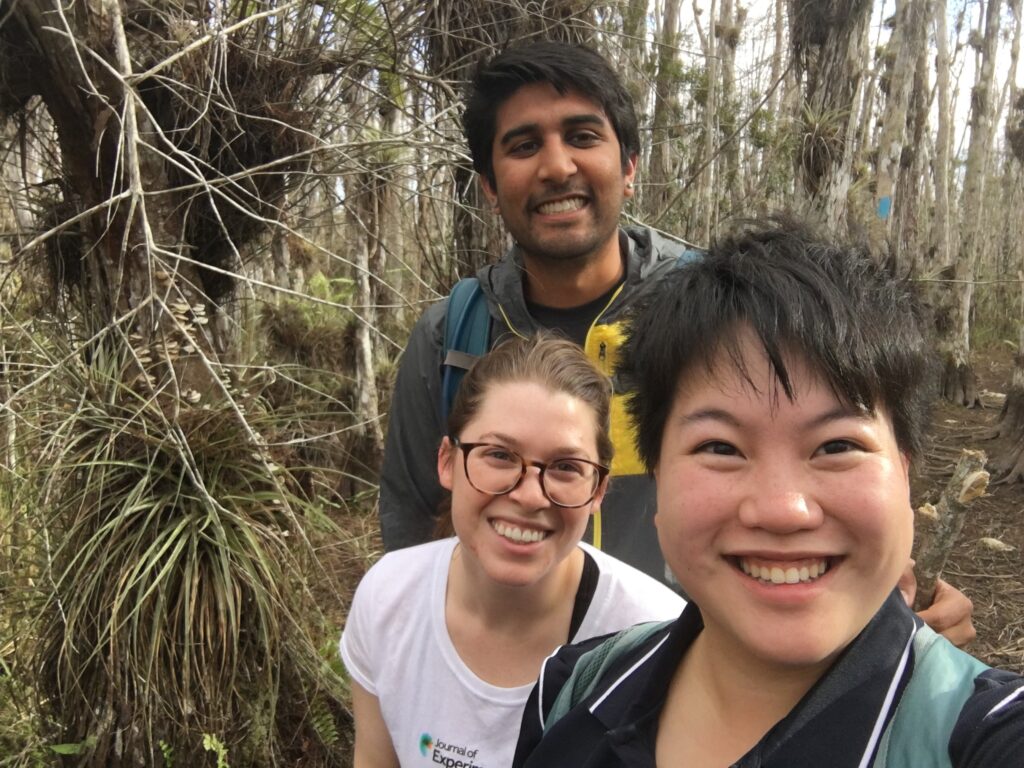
<point x="504" y="281"/>
<point x="833" y="723"/>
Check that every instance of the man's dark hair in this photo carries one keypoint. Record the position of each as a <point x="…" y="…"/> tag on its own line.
<point x="805" y="299"/>
<point x="566" y="67"/>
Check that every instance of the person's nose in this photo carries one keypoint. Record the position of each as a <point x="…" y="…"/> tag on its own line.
<point x="557" y="163"/>
<point x="529" y="491"/>
<point x="779" y="498"/>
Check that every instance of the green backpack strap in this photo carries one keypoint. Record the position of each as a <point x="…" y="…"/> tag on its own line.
<point x="592" y="665"/>
<point x="943" y="680"/>
<point x="467" y="335"/>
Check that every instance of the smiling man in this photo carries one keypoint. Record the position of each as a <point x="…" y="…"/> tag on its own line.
<point x="554" y="137"/>
<point x="563" y="182"/>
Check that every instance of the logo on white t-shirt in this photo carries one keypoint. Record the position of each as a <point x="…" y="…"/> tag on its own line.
<point x="447" y="754"/>
<point x="426" y="744"/>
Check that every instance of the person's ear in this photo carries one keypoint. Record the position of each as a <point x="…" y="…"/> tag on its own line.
<point x="446" y="464"/>
<point x="489" y="192"/>
<point x="630" y="175"/>
<point x="602" y="489"/>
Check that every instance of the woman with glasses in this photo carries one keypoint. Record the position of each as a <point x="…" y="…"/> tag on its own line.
<point x="444" y="640"/>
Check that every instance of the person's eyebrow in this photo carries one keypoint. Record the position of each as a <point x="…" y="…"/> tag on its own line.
<point x="833" y="414"/>
<point x="709" y="414"/>
<point x="588" y="118"/>
<point x="562" y="452"/>
<point x="839" y="413"/>
<point x="519" y="130"/>
<point x="499" y="437"/>
<point x="531" y="128"/>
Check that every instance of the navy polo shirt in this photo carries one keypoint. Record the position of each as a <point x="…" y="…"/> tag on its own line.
<point x="836" y="724"/>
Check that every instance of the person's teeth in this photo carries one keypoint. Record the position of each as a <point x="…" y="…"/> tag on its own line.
<point x="779" y="575"/>
<point x="562" y="206"/>
<point x="518" y="535"/>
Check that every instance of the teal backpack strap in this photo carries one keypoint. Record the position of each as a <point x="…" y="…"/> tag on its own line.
<point x="943" y="680"/>
<point x="592" y="665"/>
<point x="467" y="335"/>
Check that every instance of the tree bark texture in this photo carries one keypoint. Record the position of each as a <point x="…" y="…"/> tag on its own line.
<point x="662" y="173"/>
<point x="939" y="526"/>
<point x="958" y="380"/>
<point x="705" y="193"/>
<point x="827" y="38"/>
<point x="729" y="31"/>
<point x="157" y="224"/>
<point x="1009" y="466"/>
<point x="939" y="254"/>
<point x="633" y="61"/>
<point x="908" y="38"/>
<point x="914" y="198"/>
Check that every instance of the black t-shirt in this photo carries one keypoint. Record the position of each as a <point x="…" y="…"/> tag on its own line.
<point x="572" y="322"/>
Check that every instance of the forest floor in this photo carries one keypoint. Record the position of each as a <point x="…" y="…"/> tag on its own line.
<point x="993" y="579"/>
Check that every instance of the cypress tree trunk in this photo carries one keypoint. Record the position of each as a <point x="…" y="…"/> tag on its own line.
<point x="908" y="38"/>
<point x="828" y="40"/>
<point x="661" y="171"/>
<point x="958" y="380"/>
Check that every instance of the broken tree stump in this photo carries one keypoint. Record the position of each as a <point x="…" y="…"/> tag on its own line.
<point x="938" y="526"/>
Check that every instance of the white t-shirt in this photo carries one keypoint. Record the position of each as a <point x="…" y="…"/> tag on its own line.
<point x="396" y="646"/>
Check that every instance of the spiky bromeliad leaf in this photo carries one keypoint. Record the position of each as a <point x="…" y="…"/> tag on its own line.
<point x="176" y="558"/>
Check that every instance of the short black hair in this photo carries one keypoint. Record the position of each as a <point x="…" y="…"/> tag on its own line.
<point x="565" y="66"/>
<point x="830" y="305"/>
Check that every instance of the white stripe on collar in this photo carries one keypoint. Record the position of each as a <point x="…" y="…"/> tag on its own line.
<point x="627" y="673"/>
<point x="1005" y="702"/>
<point x="540" y="688"/>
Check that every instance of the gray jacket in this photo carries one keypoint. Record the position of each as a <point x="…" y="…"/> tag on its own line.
<point x="409" y="490"/>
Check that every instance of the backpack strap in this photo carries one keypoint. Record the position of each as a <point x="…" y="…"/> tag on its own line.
<point x="592" y="666"/>
<point x="942" y="682"/>
<point x="917" y="735"/>
<point x="467" y="335"/>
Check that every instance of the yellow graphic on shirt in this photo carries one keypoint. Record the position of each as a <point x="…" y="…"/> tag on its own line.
<point x="602" y="347"/>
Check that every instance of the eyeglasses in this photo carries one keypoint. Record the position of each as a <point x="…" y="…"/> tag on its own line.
<point x="496" y="470"/>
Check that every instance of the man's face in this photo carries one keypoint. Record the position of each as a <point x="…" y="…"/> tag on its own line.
<point x="559" y="181"/>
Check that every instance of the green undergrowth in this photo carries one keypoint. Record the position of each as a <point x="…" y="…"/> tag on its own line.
<point x="164" y="573"/>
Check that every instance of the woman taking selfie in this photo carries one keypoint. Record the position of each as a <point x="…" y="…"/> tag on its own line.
<point x="781" y="383"/>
